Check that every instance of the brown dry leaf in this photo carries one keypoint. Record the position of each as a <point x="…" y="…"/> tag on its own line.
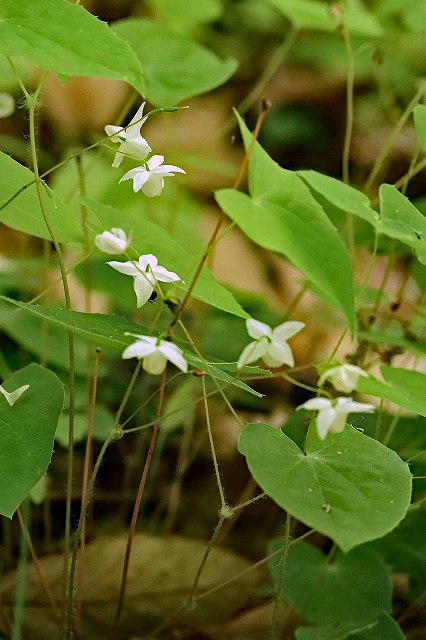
<point x="256" y="623"/>
<point x="162" y="571"/>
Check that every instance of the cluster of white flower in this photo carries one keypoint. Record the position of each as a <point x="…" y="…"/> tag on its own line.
<point x="149" y="177"/>
<point x="332" y="414"/>
<point x="269" y="344"/>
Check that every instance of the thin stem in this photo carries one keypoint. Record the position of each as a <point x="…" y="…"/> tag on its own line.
<point x="88" y="454"/>
<point x="115" y="434"/>
<point x="31" y="102"/>
<point x="392" y="137"/>
<point x="212" y="448"/>
<point x="267" y="73"/>
<point x="69" y="620"/>
<point x="264" y="110"/>
<point x="85" y="230"/>
<point x="136" y="507"/>
<point x="192" y="595"/>
<point x="274" y="630"/>
<point x="349" y="105"/>
<point x="196" y="598"/>
<point x="36" y="564"/>
<point x="22" y="576"/>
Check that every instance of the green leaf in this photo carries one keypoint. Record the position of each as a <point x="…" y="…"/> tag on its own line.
<point x="184" y="16"/>
<point x="103" y="422"/>
<point x="281" y="215"/>
<point x="65" y="38"/>
<point x="29" y="332"/>
<point x="312" y="14"/>
<point x="401" y="220"/>
<point x="384" y="628"/>
<point x="419" y="115"/>
<point x="349" y="487"/>
<point x="26" y="433"/>
<point x="108" y="331"/>
<point x="379" y="338"/>
<point x="148" y="237"/>
<point x="404" y="549"/>
<point x="403" y="387"/>
<point x="323" y="591"/>
<point x="341" y="195"/>
<point x="176" y="68"/>
<point x="23" y="212"/>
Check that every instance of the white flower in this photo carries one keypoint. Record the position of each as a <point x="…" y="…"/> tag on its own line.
<point x="343" y="378"/>
<point x="155" y="353"/>
<point x="332" y="414"/>
<point x="269" y="344"/>
<point x="114" y="241"/>
<point x="150" y="177"/>
<point x="130" y="139"/>
<point x="7" y="105"/>
<point x="146" y="272"/>
<point x="14" y="395"/>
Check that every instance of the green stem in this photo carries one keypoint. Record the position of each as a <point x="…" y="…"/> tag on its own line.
<point x="392" y="137"/>
<point x="212" y="449"/>
<point x="137" y="505"/>
<point x="22" y="575"/>
<point x="274" y="630"/>
<point x="31" y="102"/>
<point x="116" y="433"/>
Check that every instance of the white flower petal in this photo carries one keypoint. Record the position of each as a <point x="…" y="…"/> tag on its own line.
<point x="128" y="268"/>
<point x="155" y="363"/>
<point x="286" y="330"/>
<point x="315" y="404"/>
<point x="163" y="275"/>
<point x="257" y="329"/>
<point x="168" y="170"/>
<point x="350" y="406"/>
<point x="252" y="352"/>
<point x="114" y="241"/>
<point x="153" y="186"/>
<point x="278" y="354"/>
<point x="155" y="162"/>
<point x="150" y="339"/>
<point x="174" y="354"/>
<point x="327" y="420"/>
<point x="13" y="396"/>
<point x="138" y="349"/>
<point x="7" y="105"/>
<point x="136" y="122"/>
<point x="118" y="159"/>
<point x="147" y="260"/>
<point x="111" y="130"/>
<point x="138" y="149"/>
<point x="143" y="289"/>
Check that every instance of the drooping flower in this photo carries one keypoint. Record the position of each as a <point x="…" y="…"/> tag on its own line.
<point x="130" y="140"/>
<point x="269" y="344"/>
<point x="343" y="378"/>
<point x="332" y="414"/>
<point x="113" y="242"/>
<point x="13" y="396"/>
<point x="150" y="177"/>
<point x="155" y="353"/>
<point x="145" y="272"/>
<point x="7" y="105"/>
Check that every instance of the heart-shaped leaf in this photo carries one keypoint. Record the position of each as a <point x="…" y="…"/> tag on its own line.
<point x="349" y="487"/>
<point x="323" y="591"/>
<point x="27" y="430"/>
